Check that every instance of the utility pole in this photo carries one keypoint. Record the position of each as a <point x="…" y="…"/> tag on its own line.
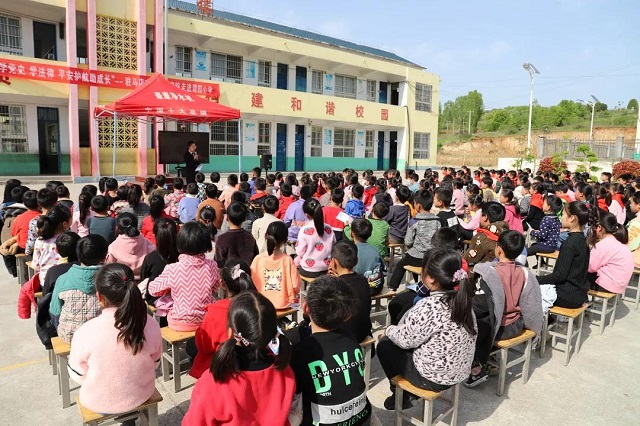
<point x="469" y="122"/>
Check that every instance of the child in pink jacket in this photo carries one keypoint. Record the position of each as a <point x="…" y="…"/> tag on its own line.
<point x="511" y="216"/>
<point x="315" y="241"/>
<point x="130" y="247"/>
<point x="610" y="262"/>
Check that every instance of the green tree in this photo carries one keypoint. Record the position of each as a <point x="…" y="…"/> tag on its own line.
<point x="601" y="106"/>
<point x="455" y="114"/>
<point x="633" y="105"/>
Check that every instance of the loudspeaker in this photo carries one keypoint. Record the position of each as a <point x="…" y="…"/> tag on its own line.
<point x="265" y="161"/>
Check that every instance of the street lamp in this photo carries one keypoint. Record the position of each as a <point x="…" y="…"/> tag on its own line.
<point x="531" y="69"/>
<point x="593" y="112"/>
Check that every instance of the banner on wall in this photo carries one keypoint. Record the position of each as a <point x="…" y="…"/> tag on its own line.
<point x="327" y="136"/>
<point x="115" y="80"/>
<point x="201" y="60"/>
<point x="250" y="132"/>
<point x="250" y="70"/>
<point x="360" y="138"/>
<point x="328" y="82"/>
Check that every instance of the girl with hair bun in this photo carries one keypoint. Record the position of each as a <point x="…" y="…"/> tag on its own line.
<point x="610" y="262"/>
<point x="119" y="349"/>
<point x="250" y="381"/>
<point x="315" y="241"/>
<point x="274" y="272"/>
<point x="55" y="222"/>
<point x="130" y="247"/>
<point x="434" y="345"/>
<point x="236" y="279"/>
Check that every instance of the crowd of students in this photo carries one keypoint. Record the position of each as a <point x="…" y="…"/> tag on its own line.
<point x="179" y="247"/>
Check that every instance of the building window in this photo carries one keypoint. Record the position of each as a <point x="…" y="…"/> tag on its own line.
<point x="226" y="67"/>
<point x="368" y="144"/>
<point x="117" y="41"/>
<point x="344" y="142"/>
<point x="423" y="97"/>
<point x="264" y="138"/>
<point x="183" y="61"/>
<point x="224" y="138"/>
<point x="316" y="81"/>
<point x="127" y="133"/>
<point x="316" y="141"/>
<point x="10" y="35"/>
<point x="345" y="86"/>
<point x="13" y="129"/>
<point x="372" y="90"/>
<point x="421" y="142"/>
<point x="186" y="126"/>
<point x="264" y="73"/>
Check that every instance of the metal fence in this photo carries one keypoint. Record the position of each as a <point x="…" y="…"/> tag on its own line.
<point x="605" y="150"/>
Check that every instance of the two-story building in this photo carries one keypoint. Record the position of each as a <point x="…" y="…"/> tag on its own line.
<point x="313" y="102"/>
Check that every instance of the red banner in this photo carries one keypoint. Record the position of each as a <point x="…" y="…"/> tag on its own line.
<point x="114" y="80"/>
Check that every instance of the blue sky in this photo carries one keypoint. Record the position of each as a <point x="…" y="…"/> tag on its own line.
<point x="581" y="47"/>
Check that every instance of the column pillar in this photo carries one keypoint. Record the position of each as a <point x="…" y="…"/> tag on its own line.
<point x="92" y="52"/>
<point x="72" y="61"/>
<point x="158" y="57"/>
<point x="142" y="70"/>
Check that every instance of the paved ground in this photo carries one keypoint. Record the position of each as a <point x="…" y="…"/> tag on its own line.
<point x="599" y="386"/>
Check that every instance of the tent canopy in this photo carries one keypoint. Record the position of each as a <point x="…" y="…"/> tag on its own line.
<point x="158" y="97"/>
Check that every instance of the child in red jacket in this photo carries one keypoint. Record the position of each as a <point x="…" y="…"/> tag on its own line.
<point x="250" y="381"/>
<point x="286" y="199"/>
<point x="236" y="279"/>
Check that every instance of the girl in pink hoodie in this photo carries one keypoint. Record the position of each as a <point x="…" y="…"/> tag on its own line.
<point x="512" y="216"/>
<point x="130" y="247"/>
<point x="315" y="241"/>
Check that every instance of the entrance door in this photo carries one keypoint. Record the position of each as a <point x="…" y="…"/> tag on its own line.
<point x="380" y="150"/>
<point x="283" y="76"/>
<point x="382" y="98"/>
<point x="299" y="163"/>
<point x="281" y="147"/>
<point x="301" y="79"/>
<point x="49" y="140"/>
<point x="395" y="93"/>
<point x="44" y="41"/>
<point x="393" y="150"/>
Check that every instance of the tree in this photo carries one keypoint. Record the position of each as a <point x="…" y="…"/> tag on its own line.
<point x="601" y="106"/>
<point x="633" y="105"/>
<point x="455" y="113"/>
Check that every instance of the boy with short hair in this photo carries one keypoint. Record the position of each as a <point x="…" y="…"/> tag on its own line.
<point x="380" y="229"/>
<point x="102" y="224"/>
<point x="271" y="184"/>
<point x="442" y="201"/>
<point x="201" y="186"/>
<point x="259" y="195"/>
<point x="212" y="201"/>
<point x="111" y="188"/>
<point x="214" y="178"/>
<point x="482" y="246"/>
<point x="188" y="206"/>
<point x="236" y="243"/>
<point x="329" y="365"/>
<point x="370" y="263"/>
<point x="256" y="172"/>
<point x="509" y="301"/>
<point x="46" y="200"/>
<point x="486" y="185"/>
<point x="398" y="216"/>
<point x="229" y="189"/>
<point x="332" y="211"/>
<point x="286" y="199"/>
<point x="259" y="230"/>
<point x="418" y="238"/>
<point x="355" y="206"/>
<point x="20" y="225"/>
<point x="160" y="188"/>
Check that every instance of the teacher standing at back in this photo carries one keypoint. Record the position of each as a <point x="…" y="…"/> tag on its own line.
<point x="191" y="162"/>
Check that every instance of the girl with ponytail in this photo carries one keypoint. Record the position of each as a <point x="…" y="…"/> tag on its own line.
<point x="207" y="216"/>
<point x="236" y="279"/>
<point x="610" y="262"/>
<point x="315" y="241"/>
<point x="55" y="222"/>
<point x="274" y="272"/>
<point x="130" y="247"/>
<point x="156" y="211"/>
<point x="135" y="204"/>
<point x="434" y="345"/>
<point x="119" y="349"/>
<point x="82" y="215"/>
<point x="570" y="271"/>
<point x="250" y="381"/>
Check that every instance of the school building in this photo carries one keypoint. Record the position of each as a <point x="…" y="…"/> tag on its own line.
<point x="313" y="102"/>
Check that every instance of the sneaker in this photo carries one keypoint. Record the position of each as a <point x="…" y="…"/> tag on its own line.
<point x="407" y="401"/>
<point x="475" y="380"/>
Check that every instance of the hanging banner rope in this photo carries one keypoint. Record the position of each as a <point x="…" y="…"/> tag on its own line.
<point x="10" y="68"/>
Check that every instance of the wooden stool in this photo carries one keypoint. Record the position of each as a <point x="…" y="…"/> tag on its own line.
<point x="428" y="398"/>
<point x="392" y="255"/>
<point x="602" y="298"/>
<point x="30" y="271"/>
<point x="153" y="311"/>
<point x="635" y="288"/>
<point x="175" y="339"/>
<point x="22" y="268"/>
<point x="377" y="308"/>
<point x="502" y="347"/>
<point x="367" y="346"/>
<point x="147" y="412"/>
<point x="548" y="256"/>
<point x="61" y="351"/>
<point x="282" y="313"/>
<point x="571" y="315"/>
<point x="303" y="288"/>
<point x="413" y="269"/>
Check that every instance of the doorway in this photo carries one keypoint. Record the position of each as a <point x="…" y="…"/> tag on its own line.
<point x="281" y="146"/>
<point x="44" y="41"/>
<point x="299" y="161"/>
<point x="301" y="79"/>
<point x="382" y="97"/>
<point x="49" y="140"/>
<point x="393" y="150"/>
<point x="380" y="165"/>
<point x="282" y="76"/>
<point x="395" y="93"/>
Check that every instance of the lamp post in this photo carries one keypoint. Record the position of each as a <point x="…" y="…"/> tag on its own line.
<point x="593" y="113"/>
<point x="531" y="69"/>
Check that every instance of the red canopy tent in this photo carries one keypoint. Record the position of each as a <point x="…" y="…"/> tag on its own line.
<point x="160" y="98"/>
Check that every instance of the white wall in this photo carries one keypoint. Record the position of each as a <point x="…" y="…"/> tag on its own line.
<point x="27" y="36"/>
<point x="250" y="137"/>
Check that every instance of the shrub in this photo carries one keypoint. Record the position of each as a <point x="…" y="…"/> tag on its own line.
<point x="627" y="166"/>
<point x="552" y="165"/>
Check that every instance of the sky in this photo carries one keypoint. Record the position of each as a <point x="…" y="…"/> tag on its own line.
<point x="580" y="47"/>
